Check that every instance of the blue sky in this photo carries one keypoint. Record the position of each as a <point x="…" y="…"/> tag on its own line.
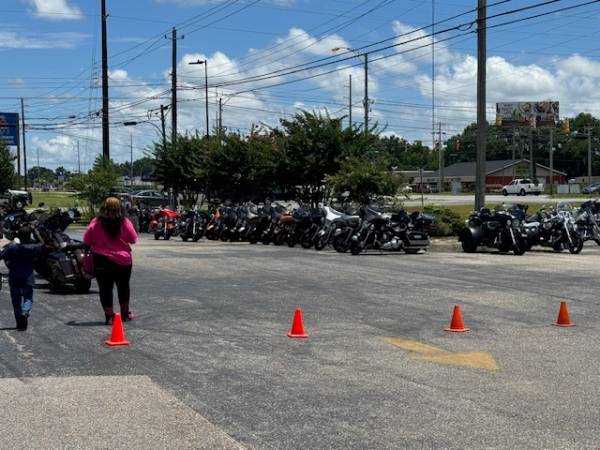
<point x="51" y="57"/>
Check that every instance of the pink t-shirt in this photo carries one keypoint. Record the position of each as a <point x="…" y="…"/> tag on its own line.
<point x="118" y="249"/>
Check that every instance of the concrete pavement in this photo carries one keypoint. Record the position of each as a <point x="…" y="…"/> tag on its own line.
<point x="211" y="333"/>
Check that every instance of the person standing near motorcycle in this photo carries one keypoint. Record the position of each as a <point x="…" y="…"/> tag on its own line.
<point x="20" y="258"/>
<point x="110" y="236"/>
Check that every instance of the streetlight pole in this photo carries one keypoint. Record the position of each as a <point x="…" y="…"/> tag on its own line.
<point x="205" y="62"/>
<point x="133" y="123"/>
<point x="350" y="101"/>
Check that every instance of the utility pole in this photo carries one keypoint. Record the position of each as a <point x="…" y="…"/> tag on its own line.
<point x="105" y="123"/>
<point x="18" y="124"/>
<point x="206" y="96"/>
<point x="433" y="74"/>
<point x="589" y="164"/>
<point x="481" y="105"/>
<point x="24" y="142"/>
<point x="78" y="159"/>
<point x="366" y="99"/>
<point x="174" y="86"/>
<point x="551" y="160"/>
<point x="220" y="118"/>
<point x="514" y="150"/>
<point x="350" y="101"/>
<point x="130" y="159"/>
<point x="440" y="159"/>
<point x="531" y="165"/>
<point x="162" y="126"/>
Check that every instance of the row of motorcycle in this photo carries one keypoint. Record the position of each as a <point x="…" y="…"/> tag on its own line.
<point x="366" y="227"/>
<point x="61" y="262"/>
<point x="509" y="228"/>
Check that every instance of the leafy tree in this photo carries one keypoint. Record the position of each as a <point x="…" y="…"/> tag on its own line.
<point x="7" y="167"/>
<point x="41" y="175"/>
<point x="364" y="180"/>
<point x="98" y="184"/>
<point x="181" y="167"/>
<point x="312" y="144"/>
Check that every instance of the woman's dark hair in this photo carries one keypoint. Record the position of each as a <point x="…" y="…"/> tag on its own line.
<point x="24" y="234"/>
<point x="111" y="217"/>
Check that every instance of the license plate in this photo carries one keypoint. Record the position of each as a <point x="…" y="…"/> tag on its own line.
<point x="417" y="236"/>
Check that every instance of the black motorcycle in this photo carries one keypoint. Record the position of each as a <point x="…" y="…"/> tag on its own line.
<point x="399" y="231"/>
<point x="555" y="229"/>
<point x="494" y="228"/>
<point x="192" y="225"/>
<point x="588" y="221"/>
<point x="61" y="261"/>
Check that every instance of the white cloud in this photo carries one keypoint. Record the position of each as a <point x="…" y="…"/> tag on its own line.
<point x="55" y="9"/>
<point x="14" y="40"/>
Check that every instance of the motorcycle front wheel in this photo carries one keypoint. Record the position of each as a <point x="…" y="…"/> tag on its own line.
<point x="306" y="241"/>
<point x="355" y="248"/>
<point x="468" y="245"/>
<point x="340" y="244"/>
<point x="520" y="247"/>
<point x="576" y="246"/>
<point x="321" y="243"/>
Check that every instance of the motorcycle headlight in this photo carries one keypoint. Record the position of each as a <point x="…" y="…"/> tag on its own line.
<point x="516" y="222"/>
<point x="509" y="222"/>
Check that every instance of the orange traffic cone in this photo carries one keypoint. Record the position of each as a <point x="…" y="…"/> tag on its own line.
<point x="118" y="334"/>
<point x="563" y="319"/>
<point x="297" y="330"/>
<point x="456" y="324"/>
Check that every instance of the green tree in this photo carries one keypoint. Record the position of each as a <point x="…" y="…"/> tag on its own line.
<point x="7" y="167"/>
<point x="181" y="167"/>
<point x="312" y="145"/>
<point x="363" y="179"/>
<point x="97" y="184"/>
<point x="41" y="175"/>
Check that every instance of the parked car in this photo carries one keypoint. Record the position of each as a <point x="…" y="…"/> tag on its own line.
<point x="523" y="187"/>
<point x="148" y="198"/>
<point x="13" y="199"/>
<point x="593" y="188"/>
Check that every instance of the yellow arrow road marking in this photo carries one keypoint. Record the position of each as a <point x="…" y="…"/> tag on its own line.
<point x="425" y="352"/>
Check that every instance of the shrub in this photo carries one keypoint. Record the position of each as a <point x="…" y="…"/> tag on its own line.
<point x="446" y="221"/>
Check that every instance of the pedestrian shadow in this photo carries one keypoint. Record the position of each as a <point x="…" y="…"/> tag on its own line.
<point x="8" y="328"/>
<point x="73" y="323"/>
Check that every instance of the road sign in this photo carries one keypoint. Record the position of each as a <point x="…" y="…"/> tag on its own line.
<point x="9" y="128"/>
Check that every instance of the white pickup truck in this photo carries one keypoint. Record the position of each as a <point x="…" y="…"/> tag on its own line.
<point x="523" y="187"/>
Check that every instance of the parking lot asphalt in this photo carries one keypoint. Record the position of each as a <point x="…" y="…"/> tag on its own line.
<point x="377" y="370"/>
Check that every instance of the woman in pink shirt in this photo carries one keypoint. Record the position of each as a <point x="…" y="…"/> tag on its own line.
<point x="110" y="235"/>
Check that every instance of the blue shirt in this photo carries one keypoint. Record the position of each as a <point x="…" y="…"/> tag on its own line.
<point x="20" y="259"/>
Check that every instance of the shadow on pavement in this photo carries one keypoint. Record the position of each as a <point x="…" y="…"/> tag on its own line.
<point x="72" y="323"/>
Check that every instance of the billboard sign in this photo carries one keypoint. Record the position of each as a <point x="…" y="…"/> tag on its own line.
<point x="534" y="114"/>
<point x="9" y="128"/>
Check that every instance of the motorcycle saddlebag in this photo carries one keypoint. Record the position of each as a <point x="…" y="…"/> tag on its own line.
<point x="417" y="239"/>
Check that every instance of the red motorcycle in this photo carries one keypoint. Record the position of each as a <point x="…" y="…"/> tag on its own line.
<point x="165" y="223"/>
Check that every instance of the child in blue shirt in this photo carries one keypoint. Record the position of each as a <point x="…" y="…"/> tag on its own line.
<point x="20" y="259"/>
